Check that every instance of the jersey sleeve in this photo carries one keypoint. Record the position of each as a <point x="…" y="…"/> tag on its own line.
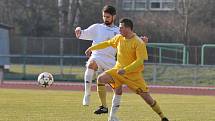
<point x="142" y="51"/>
<point x="141" y="54"/>
<point x="90" y="33"/>
<point x="112" y="42"/>
<point x="99" y="46"/>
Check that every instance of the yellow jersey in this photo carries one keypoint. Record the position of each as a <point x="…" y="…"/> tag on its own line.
<point x="131" y="53"/>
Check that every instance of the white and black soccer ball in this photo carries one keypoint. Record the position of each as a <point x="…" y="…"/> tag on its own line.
<point x="45" y="79"/>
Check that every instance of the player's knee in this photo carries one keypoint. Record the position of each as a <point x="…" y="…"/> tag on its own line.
<point x="146" y="96"/>
<point x="141" y="93"/>
<point x="100" y="78"/>
<point x="88" y="75"/>
<point x="103" y="78"/>
<point x="118" y="90"/>
<point x="92" y="65"/>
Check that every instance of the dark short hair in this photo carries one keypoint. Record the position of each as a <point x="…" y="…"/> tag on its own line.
<point x="127" y="22"/>
<point x="109" y="9"/>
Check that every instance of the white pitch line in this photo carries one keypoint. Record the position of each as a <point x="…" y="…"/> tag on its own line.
<point x="82" y="84"/>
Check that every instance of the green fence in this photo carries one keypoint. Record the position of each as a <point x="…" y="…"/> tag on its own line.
<point x="158" y="74"/>
<point x="206" y="46"/>
<point x="65" y="59"/>
<point x="179" y="51"/>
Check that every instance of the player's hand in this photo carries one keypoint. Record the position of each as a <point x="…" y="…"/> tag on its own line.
<point x="145" y="39"/>
<point x="88" y="53"/>
<point x="78" y="32"/>
<point x="121" y="71"/>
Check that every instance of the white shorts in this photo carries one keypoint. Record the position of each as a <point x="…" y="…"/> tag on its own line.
<point x="103" y="63"/>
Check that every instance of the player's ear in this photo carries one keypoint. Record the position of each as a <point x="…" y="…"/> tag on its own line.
<point x="114" y="17"/>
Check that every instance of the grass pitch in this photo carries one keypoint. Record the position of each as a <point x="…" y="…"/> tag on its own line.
<point x="52" y="105"/>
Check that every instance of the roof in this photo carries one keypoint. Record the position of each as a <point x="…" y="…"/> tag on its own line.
<point x="5" y="26"/>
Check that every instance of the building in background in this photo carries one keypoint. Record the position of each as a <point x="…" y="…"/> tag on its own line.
<point x="149" y="5"/>
<point x="4" y="48"/>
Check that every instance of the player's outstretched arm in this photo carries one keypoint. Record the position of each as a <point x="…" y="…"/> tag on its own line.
<point x="99" y="46"/>
<point x="87" y="34"/>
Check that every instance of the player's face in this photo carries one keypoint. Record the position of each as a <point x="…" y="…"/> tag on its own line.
<point x="108" y="18"/>
<point x="123" y="30"/>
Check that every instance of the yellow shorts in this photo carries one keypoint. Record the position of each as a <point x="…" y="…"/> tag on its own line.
<point x="134" y="81"/>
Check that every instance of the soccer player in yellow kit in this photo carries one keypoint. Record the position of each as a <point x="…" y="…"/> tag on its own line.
<point x="131" y="53"/>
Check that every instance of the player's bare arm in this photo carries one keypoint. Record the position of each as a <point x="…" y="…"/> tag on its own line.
<point x="88" y="53"/>
<point x="78" y="32"/>
<point x="145" y="39"/>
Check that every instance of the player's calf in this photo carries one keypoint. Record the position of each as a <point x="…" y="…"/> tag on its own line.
<point x="89" y="73"/>
<point x="86" y="100"/>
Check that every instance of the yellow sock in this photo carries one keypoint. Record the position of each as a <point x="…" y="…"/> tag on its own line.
<point x="102" y="93"/>
<point x="157" y="109"/>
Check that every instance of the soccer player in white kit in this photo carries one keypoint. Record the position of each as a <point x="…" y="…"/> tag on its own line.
<point x="100" y="60"/>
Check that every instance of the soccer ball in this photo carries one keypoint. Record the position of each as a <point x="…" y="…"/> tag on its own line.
<point x="45" y="79"/>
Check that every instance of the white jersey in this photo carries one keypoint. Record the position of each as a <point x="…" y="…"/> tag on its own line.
<point x="99" y="33"/>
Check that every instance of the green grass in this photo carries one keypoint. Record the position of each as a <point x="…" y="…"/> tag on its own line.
<point x="54" y="69"/>
<point x="70" y="73"/>
<point x="52" y="105"/>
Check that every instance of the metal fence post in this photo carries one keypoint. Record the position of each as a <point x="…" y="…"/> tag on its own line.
<point x="61" y="56"/>
<point x="203" y="51"/>
<point x="160" y="55"/>
<point x="24" y="57"/>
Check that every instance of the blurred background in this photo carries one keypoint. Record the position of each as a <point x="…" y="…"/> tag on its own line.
<point x="38" y="36"/>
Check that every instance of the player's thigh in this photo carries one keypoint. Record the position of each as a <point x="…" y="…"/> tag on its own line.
<point x="147" y="97"/>
<point x="104" y="64"/>
<point x="116" y="78"/>
<point x="104" y="78"/>
<point x="91" y="64"/>
<point x="118" y="90"/>
<point x="138" y="86"/>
